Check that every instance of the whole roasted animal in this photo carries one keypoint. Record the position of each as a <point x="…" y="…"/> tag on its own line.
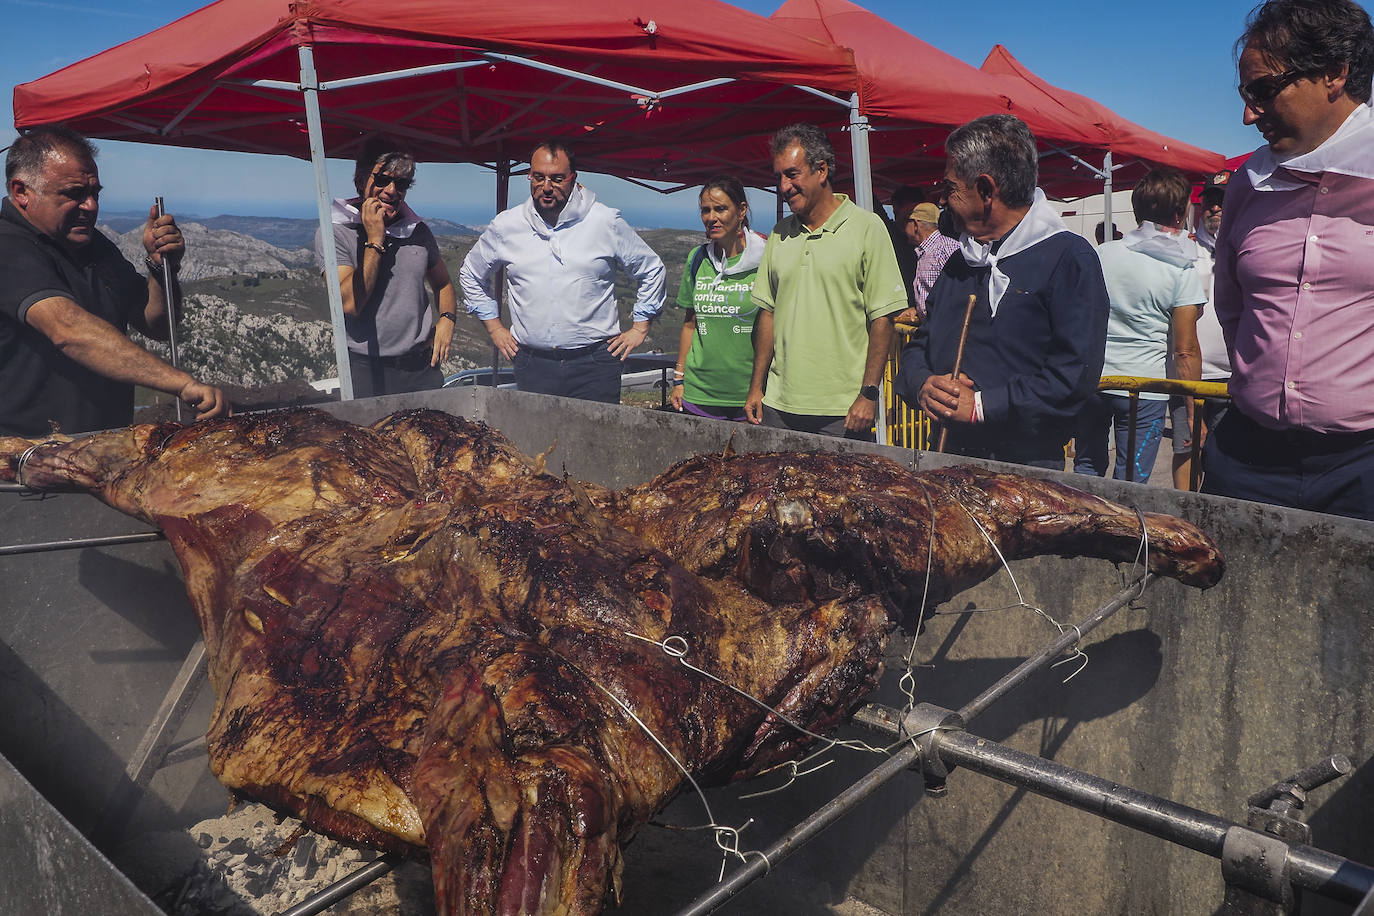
<point x="420" y="641"/>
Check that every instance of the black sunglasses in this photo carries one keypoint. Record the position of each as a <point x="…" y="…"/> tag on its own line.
<point x="1260" y="92"/>
<point x="381" y="180"/>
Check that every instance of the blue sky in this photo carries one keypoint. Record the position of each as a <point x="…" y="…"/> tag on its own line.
<point x="1166" y="65"/>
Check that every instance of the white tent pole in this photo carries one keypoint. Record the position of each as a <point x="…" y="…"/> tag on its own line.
<point x="310" y="89"/>
<point x="858" y="144"/>
<point x="502" y="203"/>
<point x="863" y="198"/>
<point x="1107" y="233"/>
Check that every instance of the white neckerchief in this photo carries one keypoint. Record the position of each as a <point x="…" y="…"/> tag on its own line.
<point x="346" y="213"/>
<point x="579" y="203"/>
<point x="1349" y="151"/>
<point x="1149" y="239"/>
<point x="749" y="258"/>
<point x="1040" y="222"/>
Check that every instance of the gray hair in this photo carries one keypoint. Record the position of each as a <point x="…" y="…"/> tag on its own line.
<point x="27" y="154"/>
<point x="999" y="145"/>
<point x="815" y="147"/>
<point x="394" y="158"/>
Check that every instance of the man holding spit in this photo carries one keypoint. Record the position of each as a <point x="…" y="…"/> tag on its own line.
<point x="67" y="298"/>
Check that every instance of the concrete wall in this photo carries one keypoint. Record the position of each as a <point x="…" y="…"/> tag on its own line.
<point x="1200" y="697"/>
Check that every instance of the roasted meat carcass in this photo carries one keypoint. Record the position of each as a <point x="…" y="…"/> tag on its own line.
<point x="421" y="642"/>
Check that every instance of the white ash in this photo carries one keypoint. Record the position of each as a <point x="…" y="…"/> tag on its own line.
<point x="231" y="867"/>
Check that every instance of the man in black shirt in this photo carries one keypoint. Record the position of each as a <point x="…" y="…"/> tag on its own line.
<point x="67" y="298"/>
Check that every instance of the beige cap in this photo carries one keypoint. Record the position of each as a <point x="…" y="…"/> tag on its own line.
<point x="926" y="213"/>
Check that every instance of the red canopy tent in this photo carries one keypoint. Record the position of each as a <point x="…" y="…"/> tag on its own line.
<point x="1131" y="150"/>
<point x="462" y="81"/>
<point x="913" y="94"/>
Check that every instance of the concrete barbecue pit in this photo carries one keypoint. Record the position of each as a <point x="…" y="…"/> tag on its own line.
<point x="1193" y="696"/>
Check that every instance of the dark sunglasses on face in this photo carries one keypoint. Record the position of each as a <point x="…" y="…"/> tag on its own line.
<point x="1260" y="92"/>
<point x="381" y="180"/>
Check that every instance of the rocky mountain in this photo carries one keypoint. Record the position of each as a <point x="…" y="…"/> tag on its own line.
<point x="257" y="314"/>
<point x="218" y="252"/>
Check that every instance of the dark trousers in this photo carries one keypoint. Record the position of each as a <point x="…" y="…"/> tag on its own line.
<point x="1322" y="472"/>
<point x="373" y="376"/>
<point x="591" y="373"/>
<point x="806" y="423"/>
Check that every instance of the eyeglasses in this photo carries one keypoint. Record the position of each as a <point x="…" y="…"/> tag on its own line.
<point x="382" y="180"/>
<point x="537" y="179"/>
<point x="1258" y="93"/>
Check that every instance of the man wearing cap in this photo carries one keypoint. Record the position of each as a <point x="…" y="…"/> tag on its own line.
<point x="1216" y="365"/>
<point x="1294" y="277"/>
<point x="933" y="248"/>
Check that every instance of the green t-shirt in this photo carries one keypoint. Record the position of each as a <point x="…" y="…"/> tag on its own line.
<point x="824" y="288"/>
<point x="721" y="357"/>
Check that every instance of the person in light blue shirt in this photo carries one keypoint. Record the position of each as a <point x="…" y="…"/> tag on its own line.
<point x="1156" y="296"/>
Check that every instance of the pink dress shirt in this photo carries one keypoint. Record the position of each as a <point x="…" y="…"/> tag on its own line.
<point x="1294" y="292"/>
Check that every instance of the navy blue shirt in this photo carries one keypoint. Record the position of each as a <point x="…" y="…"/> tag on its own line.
<point x="1036" y="363"/>
<point x="38" y="383"/>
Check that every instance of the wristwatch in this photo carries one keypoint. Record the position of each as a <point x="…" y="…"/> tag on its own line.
<point x="450" y="316"/>
<point x="870" y="392"/>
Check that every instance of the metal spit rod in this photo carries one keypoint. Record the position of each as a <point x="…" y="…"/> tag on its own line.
<point x="351" y="884"/>
<point x="1070" y="636"/>
<point x="75" y="543"/>
<point x="842" y="803"/>
<point x="1314" y="869"/>
<point x="169" y="301"/>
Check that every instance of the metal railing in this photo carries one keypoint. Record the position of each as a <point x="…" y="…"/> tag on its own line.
<point x="906" y="428"/>
<point x="909" y="428"/>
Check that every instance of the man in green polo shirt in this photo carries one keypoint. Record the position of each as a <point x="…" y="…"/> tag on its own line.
<point x="826" y="290"/>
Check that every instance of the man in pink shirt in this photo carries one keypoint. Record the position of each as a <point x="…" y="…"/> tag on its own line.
<point x="1294" y="276"/>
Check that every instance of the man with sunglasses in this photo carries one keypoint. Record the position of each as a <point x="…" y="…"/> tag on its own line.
<point x="1294" y="274"/>
<point x="560" y="250"/>
<point x="67" y="298"/>
<point x="386" y="256"/>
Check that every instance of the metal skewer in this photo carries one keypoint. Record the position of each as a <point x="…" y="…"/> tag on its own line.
<point x="168" y="279"/>
<point x="958" y="362"/>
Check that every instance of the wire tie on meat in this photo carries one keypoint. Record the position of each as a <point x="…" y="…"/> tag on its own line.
<point x="1021" y="601"/>
<point x="1142" y="554"/>
<point x="795" y="767"/>
<point x="717" y="829"/>
<point x="677" y="647"/>
<point x="907" y="683"/>
<point x="23" y="460"/>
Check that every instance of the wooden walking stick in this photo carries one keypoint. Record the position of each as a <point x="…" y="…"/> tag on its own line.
<point x="958" y="362"/>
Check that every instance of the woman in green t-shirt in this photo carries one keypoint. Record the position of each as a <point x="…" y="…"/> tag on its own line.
<point x="716" y="349"/>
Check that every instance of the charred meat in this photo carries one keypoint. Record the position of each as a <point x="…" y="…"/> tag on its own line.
<point x="421" y="642"/>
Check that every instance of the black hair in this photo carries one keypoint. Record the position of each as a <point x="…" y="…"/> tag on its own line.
<point x="815" y="146"/>
<point x="1314" y="37"/>
<point x="393" y="157"/>
<point x="26" y="155"/>
<point x="732" y="188"/>
<point x="554" y="146"/>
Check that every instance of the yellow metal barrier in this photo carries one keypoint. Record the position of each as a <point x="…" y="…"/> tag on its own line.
<point x="1133" y="385"/>
<point x="906" y="428"/>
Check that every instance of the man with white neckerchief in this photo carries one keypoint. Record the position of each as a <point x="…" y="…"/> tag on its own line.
<point x="1038" y="328"/>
